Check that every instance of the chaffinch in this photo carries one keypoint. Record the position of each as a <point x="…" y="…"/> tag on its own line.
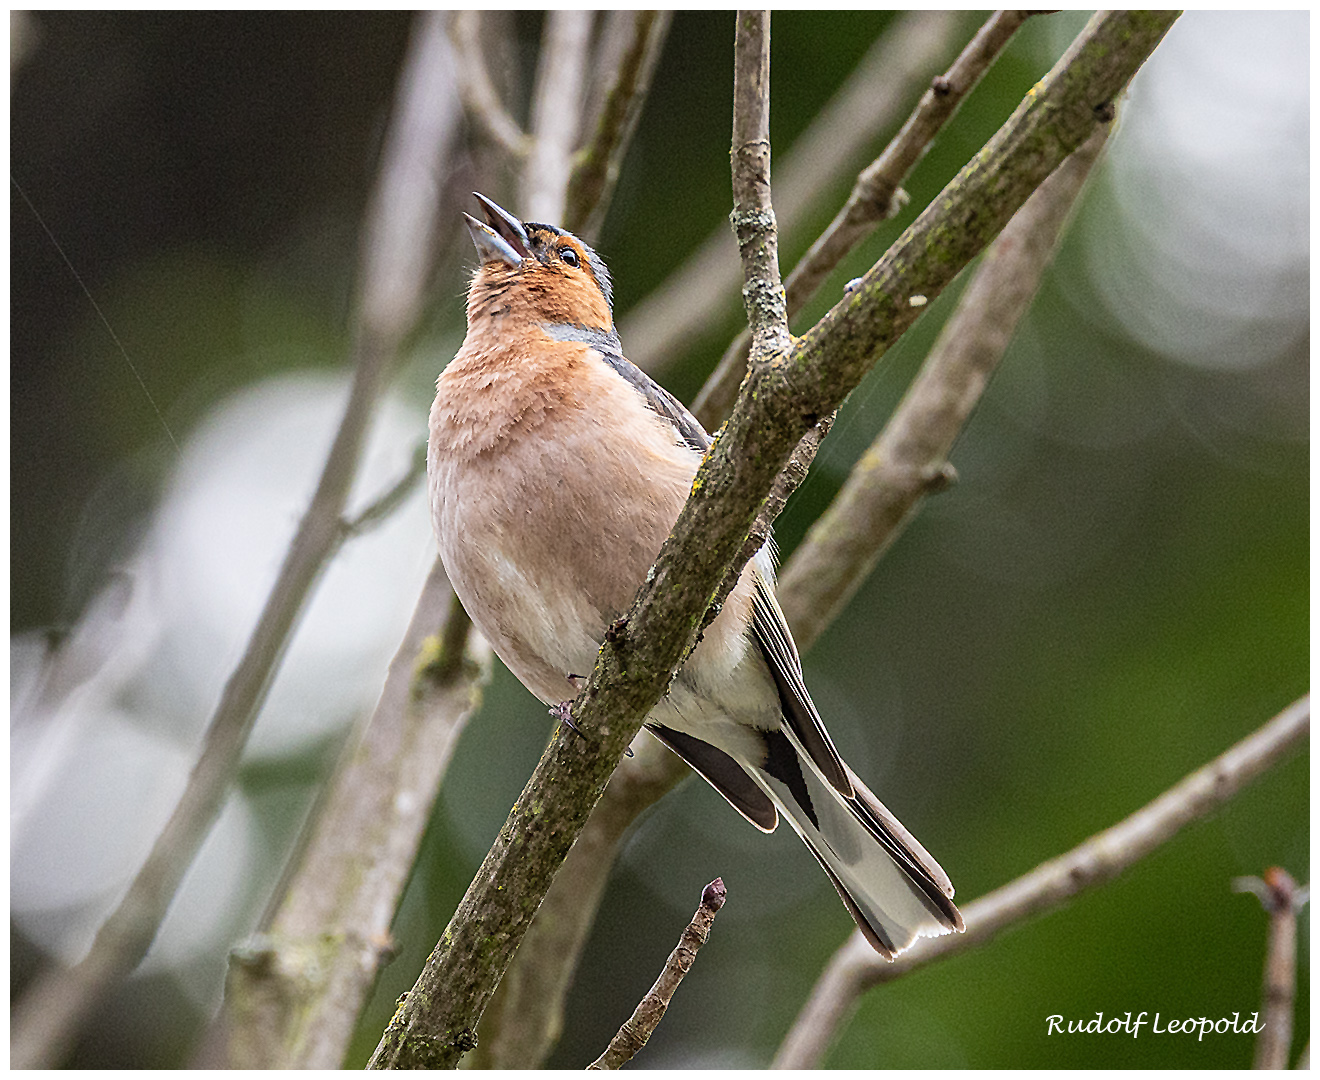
<point x="556" y="470"/>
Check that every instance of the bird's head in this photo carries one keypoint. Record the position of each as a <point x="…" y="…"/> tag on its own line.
<point x="537" y="271"/>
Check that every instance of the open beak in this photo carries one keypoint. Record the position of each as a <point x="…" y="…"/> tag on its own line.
<point x="501" y="237"/>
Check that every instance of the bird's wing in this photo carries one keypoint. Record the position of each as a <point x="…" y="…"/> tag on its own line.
<point x="723" y="774"/>
<point x="661" y="401"/>
<point x="770" y="629"/>
<point x="769" y="626"/>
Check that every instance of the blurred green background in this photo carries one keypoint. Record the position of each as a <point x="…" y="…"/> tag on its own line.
<point x="1114" y="592"/>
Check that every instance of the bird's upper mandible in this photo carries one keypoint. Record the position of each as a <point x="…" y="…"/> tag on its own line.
<point x="536" y="271"/>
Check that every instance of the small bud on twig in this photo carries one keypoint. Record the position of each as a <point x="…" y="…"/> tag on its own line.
<point x="638" y="1027"/>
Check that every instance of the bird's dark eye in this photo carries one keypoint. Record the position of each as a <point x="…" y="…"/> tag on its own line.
<point x="569" y="256"/>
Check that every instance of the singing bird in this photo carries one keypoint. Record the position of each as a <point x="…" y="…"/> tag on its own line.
<point x="556" y="470"/>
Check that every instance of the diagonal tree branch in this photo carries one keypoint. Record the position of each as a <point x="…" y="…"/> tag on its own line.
<point x="876" y="196"/>
<point x="394" y="269"/>
<point x="855" y="969"/>
<point x="526" y="1015"/>
<point x="780" y="401"/>
<point x="702" y="292"/>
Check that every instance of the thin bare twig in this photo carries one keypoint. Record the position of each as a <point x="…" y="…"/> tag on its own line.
<point x="876" y="196"/>
<point x="650" y="1010"/>
<point x="1282" y="899"/>
<point x="394" y="271"/>
<point x="753" y="215"/>
<point x="702" y="292"/>
<point x="556" y="113"/>
<point x="908" y="459"/>
<point x="480" y="99"/>
<point x="855" y="967"/>
<point x="596" y="167"/>
<point x="389" y="500"/>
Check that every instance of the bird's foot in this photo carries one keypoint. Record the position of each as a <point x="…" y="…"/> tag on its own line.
<point x="563" y="712"/>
